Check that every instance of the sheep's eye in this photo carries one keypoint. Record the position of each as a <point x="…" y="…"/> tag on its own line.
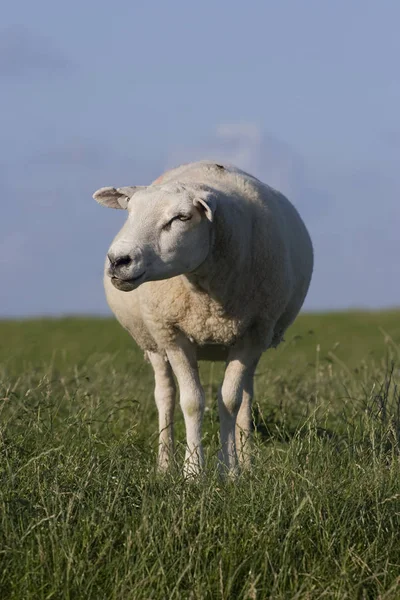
<point x="177" y="218"/>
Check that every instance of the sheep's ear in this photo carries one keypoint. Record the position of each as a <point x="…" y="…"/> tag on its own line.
<point x="116" y="197"/>
<point x="206" y="204"/>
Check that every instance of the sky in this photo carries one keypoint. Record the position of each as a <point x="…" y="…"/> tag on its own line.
<point x="304" y="95"/>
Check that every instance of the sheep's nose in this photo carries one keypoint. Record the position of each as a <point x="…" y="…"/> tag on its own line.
<point x="119" y="261"/>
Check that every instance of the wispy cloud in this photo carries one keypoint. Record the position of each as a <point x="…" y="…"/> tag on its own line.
<point x="24" y="52"/>
<point x="249" y="147"/>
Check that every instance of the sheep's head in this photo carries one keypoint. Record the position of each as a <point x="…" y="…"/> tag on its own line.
<point x="167" y="232"/>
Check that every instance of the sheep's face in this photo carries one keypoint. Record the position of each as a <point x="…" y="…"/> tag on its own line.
<point x="167" y="232"/>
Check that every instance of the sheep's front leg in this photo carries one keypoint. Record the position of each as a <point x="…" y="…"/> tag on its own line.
<point x="239" y="373"/>
<point x="164" y="394"/>
<point x="244" y="420"/>
<point x="184" y="364"/>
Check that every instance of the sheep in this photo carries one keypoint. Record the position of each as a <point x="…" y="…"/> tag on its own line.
<point x="211" y="264"/>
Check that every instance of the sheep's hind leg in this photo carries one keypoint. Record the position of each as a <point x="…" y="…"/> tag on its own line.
<point x="237" y="385"/>
<point x="164" y="393"/>
<point x="183" y="360"/>
<point x="244" y="420"/>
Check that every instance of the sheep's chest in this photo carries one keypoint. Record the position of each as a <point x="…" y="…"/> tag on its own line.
<point x="170" y="306"/>
<point x="206" y="322"/>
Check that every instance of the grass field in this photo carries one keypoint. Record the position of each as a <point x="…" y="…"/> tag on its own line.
<point x="83" y="513"/>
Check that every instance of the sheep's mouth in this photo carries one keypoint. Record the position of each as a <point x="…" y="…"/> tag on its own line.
<point x="127" y="285"/>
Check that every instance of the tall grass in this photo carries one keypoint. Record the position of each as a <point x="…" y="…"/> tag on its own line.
<point x="83" y="513"/>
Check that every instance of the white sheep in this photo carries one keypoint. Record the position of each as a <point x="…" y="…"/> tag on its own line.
<point x="211" y="264"/>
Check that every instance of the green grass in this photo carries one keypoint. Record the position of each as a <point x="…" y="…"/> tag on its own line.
<point x="83" y="513"/>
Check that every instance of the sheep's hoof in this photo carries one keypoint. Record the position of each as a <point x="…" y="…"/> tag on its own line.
<point x="228" y="469"/>
<point x="193" y="467"/>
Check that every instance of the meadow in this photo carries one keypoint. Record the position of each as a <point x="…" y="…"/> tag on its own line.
<point x="84" y="514"/>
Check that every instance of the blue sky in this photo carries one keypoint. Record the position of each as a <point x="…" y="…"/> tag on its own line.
<point x="305" y="95"/>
